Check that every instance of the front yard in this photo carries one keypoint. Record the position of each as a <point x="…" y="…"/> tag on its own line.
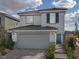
<point x="31" y="53"/>
<point x="6" y="43"/>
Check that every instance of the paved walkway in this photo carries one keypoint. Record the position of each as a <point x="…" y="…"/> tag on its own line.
<point x="24" y="54"/>
<point x="34" y="54"/>
<point x="60" y="53"/>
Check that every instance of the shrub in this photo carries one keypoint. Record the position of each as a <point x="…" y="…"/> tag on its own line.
<point x="68" y="50"/>
<point x="50" y="51"/>
<point x="2" y="50"/>
<point x="2" y="36"/>
<point x="71" y="43"/>
<point x="9" y="42"/>
<point x="5" y="41"/>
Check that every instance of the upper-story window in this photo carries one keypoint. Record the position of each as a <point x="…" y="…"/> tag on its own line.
<point x="29" y="19"/>
<point x="53" y="18"/>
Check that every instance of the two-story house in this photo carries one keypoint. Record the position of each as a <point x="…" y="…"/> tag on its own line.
<point x="8" y="21"/>
<point x="37" y="29"/>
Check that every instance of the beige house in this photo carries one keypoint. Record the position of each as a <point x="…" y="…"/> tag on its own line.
<point x="8" y="21"/>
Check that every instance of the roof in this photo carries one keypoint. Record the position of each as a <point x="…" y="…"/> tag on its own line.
<point x="71" y="32"/>
<point x="9" y="16"/>
<point x="34" y="27"/>
<point x="37" y="11"/>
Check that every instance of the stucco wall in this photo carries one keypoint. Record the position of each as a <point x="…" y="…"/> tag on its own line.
<point x="2" y="20"/>
<point x="22" y="22"/>
<point x="59" y="25"/>
<point x="37" y="19"/>
<point x="9" y="23"/>
<point x="42" y="20"/>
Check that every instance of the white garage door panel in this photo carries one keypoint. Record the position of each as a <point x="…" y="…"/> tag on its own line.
<point x="33" y="41"/>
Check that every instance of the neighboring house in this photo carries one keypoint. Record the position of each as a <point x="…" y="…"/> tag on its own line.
<point x="73" y="37"/>
<point x="8" y="21"/>
<point x="70" y="34"/>
<point x="37" y="29"/>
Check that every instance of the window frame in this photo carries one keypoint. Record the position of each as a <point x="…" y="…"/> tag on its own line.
<point x="26" y="19"/>
<point x="52" y="19"/>
<point x="56" y="17"/>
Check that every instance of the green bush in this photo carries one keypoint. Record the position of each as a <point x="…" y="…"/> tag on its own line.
<point x="2" y="50"/>
<point x="71" y="43"/>
<point x="50" y="51"/>
<point x="9" y="42"/>
<point x="68" y="50"/>
<point x="5" y="41"/>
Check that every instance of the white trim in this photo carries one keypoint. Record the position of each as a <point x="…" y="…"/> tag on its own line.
<point x="14" y="37"/>
<point x="62" y="38"/>
<point x="31" y="30"/>
<point x="55" y="37"/>
<point x="50" y="37"/>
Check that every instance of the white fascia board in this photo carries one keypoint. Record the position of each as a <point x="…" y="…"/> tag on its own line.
<point x="32" y="30"/>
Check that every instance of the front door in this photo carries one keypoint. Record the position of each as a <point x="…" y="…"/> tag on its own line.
<point x="58" y="39"/>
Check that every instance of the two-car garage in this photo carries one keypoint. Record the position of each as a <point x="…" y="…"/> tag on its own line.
<point x="33" y="36"/>
<point x="33" y="40"/>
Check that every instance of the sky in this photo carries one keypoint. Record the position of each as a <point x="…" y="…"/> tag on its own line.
<point x="12" y="7"/>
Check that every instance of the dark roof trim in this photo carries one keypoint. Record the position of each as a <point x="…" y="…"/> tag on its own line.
<point x="54" y="9"/>
<point x="9" y="16"/>
<point x="37" y="11"/>
<point x="34" y="27"/>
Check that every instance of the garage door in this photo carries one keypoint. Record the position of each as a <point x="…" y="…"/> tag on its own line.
<point x="34" y="40"/>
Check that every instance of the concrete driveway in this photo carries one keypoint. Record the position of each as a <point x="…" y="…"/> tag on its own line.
<point x="24" y="54"/>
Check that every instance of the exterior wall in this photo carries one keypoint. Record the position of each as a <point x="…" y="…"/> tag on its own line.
<point x="37" y="20"/>
<point x="9" y="23"/>
<point x="2" y="20"/>
<point x="42" y="20"/>
<point x="59" y="25"/>
<point x="22" y="21"/>
<point x="52" y="37"/>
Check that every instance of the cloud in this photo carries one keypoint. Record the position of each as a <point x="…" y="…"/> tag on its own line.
<point x="68" y="18"/>
<point x="72" y="17"/>
<point x="69" y="27"/>
<point x="17" y="16"/>
<point x="12" y="6"/>
<point x="64" y="3"/>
